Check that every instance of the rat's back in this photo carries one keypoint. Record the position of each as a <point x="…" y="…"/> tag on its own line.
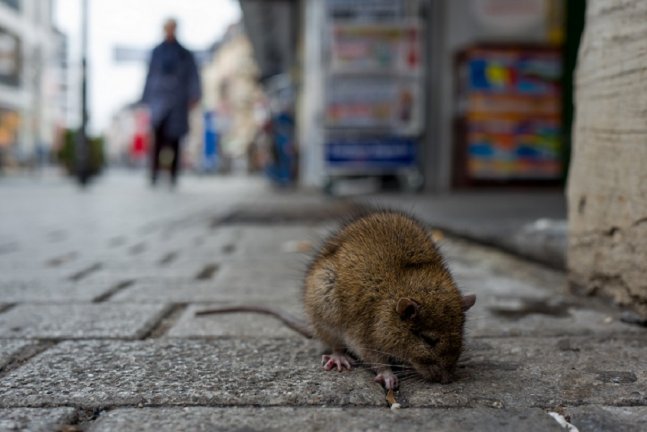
<point x="385" y="240"/>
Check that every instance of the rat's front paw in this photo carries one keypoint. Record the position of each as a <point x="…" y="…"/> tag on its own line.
<point x="336" y="360"/>
<point x="388" y="379"/>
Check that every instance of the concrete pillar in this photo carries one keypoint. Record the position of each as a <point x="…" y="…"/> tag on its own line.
<point x="607" y="188"/>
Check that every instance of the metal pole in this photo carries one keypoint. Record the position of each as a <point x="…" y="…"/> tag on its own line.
<point x="83" y="151"/>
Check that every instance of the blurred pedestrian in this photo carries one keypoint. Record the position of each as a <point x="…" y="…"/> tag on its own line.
<point x="172" y="89"/>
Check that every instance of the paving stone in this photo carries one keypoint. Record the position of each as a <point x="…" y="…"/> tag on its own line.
<point x="259" y="277"/>
<point x="220" y="240"/>
<point x="212" y="290"/>
<point x="259" y="242"/>
<point x="277" y="240"/>
<point x="490" y="285"/>
<point x="80" y="320"/>
<point x="185" y="372"/>
<point x="172" y="290"/>
<point x="235" y="324"/>
<point x="495" y="317"/>
<point x="608" y="418"/>
<point x="318" y="419"/>
<point x="42" y="291"/>
<point x="541" y="372"/>
<point x="9" y="348"/>
<point x="286" y="209"/>
<point x="516" y="298"/>
<point x="39" y="271"/>
<point x="35" y="419"/>
<point x="557" y="353"/>
<point x="469" y="259"/>
<point x="496" y="373"/>
<point x="147" y="273"/>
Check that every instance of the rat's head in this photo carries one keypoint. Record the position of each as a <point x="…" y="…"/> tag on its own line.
<point x="429" y="330"/>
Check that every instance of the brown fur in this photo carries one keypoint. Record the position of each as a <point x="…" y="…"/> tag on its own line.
<point x="353" y="286"/>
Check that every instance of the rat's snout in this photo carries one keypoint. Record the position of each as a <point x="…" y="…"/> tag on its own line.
<point x="434" y="373"/>
<point x="446" y="377"/>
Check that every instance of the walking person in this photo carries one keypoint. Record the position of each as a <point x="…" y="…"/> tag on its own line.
<point x="172" y="89"/>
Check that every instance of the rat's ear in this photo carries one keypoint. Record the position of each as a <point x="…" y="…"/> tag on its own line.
<point x="407" y="308"/>
<point x="468" y="301"/>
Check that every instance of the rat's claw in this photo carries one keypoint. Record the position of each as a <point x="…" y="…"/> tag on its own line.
<point x="388" y="379"/>
<point x="336" y="360"/>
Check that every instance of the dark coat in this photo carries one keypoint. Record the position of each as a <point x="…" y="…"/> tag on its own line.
<point x="172" y="84"/>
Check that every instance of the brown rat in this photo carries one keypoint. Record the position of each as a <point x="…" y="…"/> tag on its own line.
<point x="379" y="289"/>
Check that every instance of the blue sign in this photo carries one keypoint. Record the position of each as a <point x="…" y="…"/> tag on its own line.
<point x="211" y="138"/>
<point x="366" y="152"/>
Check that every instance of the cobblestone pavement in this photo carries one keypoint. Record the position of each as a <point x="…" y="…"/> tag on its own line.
<point x="99" y="289"/>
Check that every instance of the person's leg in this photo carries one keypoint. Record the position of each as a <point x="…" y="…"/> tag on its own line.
<point x="174" y="144"/>
<point x="156" y="149"/>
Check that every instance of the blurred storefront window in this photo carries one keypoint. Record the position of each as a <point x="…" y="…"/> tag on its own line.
<point x="15" y="4"/>
<point x="10" y="58"/>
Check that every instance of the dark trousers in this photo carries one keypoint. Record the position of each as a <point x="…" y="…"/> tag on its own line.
<point x="162" y="140"/>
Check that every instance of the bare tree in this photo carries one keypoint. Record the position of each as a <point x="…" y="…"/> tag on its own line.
<point x="607" y="189"/>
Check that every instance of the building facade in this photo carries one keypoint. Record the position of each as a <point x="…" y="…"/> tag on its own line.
<point x="32" y="80"/>
<point x="230" y="94"/>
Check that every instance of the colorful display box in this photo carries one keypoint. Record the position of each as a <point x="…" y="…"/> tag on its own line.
<point x="510" y="110"/>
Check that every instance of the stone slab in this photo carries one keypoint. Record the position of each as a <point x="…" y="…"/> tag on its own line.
<point x="184" y="290"/>
<point x="40" y="271"/>
<point x="185" y="372"/>
<point x="270" y="269"/>
<point x="235" y="324"/>
<point x="596" y="418"/>
<point x="518" y="298"/>
<point x="541" y="372"/>
<point x="80" y="320"/>
<point x="173" y="290"/>
<point x="43" y="291"/>
<point x="261" y="241"/>
<point x="499" y="373"/>
<point x="138" y="272"/>
<point x="317" y="419"/>
<point x="9" y="348"/>
<point x="284" y="210"/>
<point x="266" y="276"/>
<point x="551" y="316"/>
<point x="35" y="419"/>
<point x="473" y="261"/>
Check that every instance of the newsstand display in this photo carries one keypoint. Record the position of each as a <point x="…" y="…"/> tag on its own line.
<point x="508" y="127"/>
<point x="374" y="89"/>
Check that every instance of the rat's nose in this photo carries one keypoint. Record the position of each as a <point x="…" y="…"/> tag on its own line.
<point x="446" y="377"/>
<point x="434" y="373"/>
<point x="438" y="374"/>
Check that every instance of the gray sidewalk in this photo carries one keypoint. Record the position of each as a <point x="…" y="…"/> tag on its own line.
<point x="98" y="291"/>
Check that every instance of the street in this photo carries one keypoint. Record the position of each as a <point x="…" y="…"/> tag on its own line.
<point x="99" y="289"/>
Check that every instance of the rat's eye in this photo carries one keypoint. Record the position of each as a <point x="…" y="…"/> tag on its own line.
<point x="429" y="340"/>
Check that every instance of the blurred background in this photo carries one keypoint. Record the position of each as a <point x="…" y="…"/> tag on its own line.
<point x="343" y="95"/>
